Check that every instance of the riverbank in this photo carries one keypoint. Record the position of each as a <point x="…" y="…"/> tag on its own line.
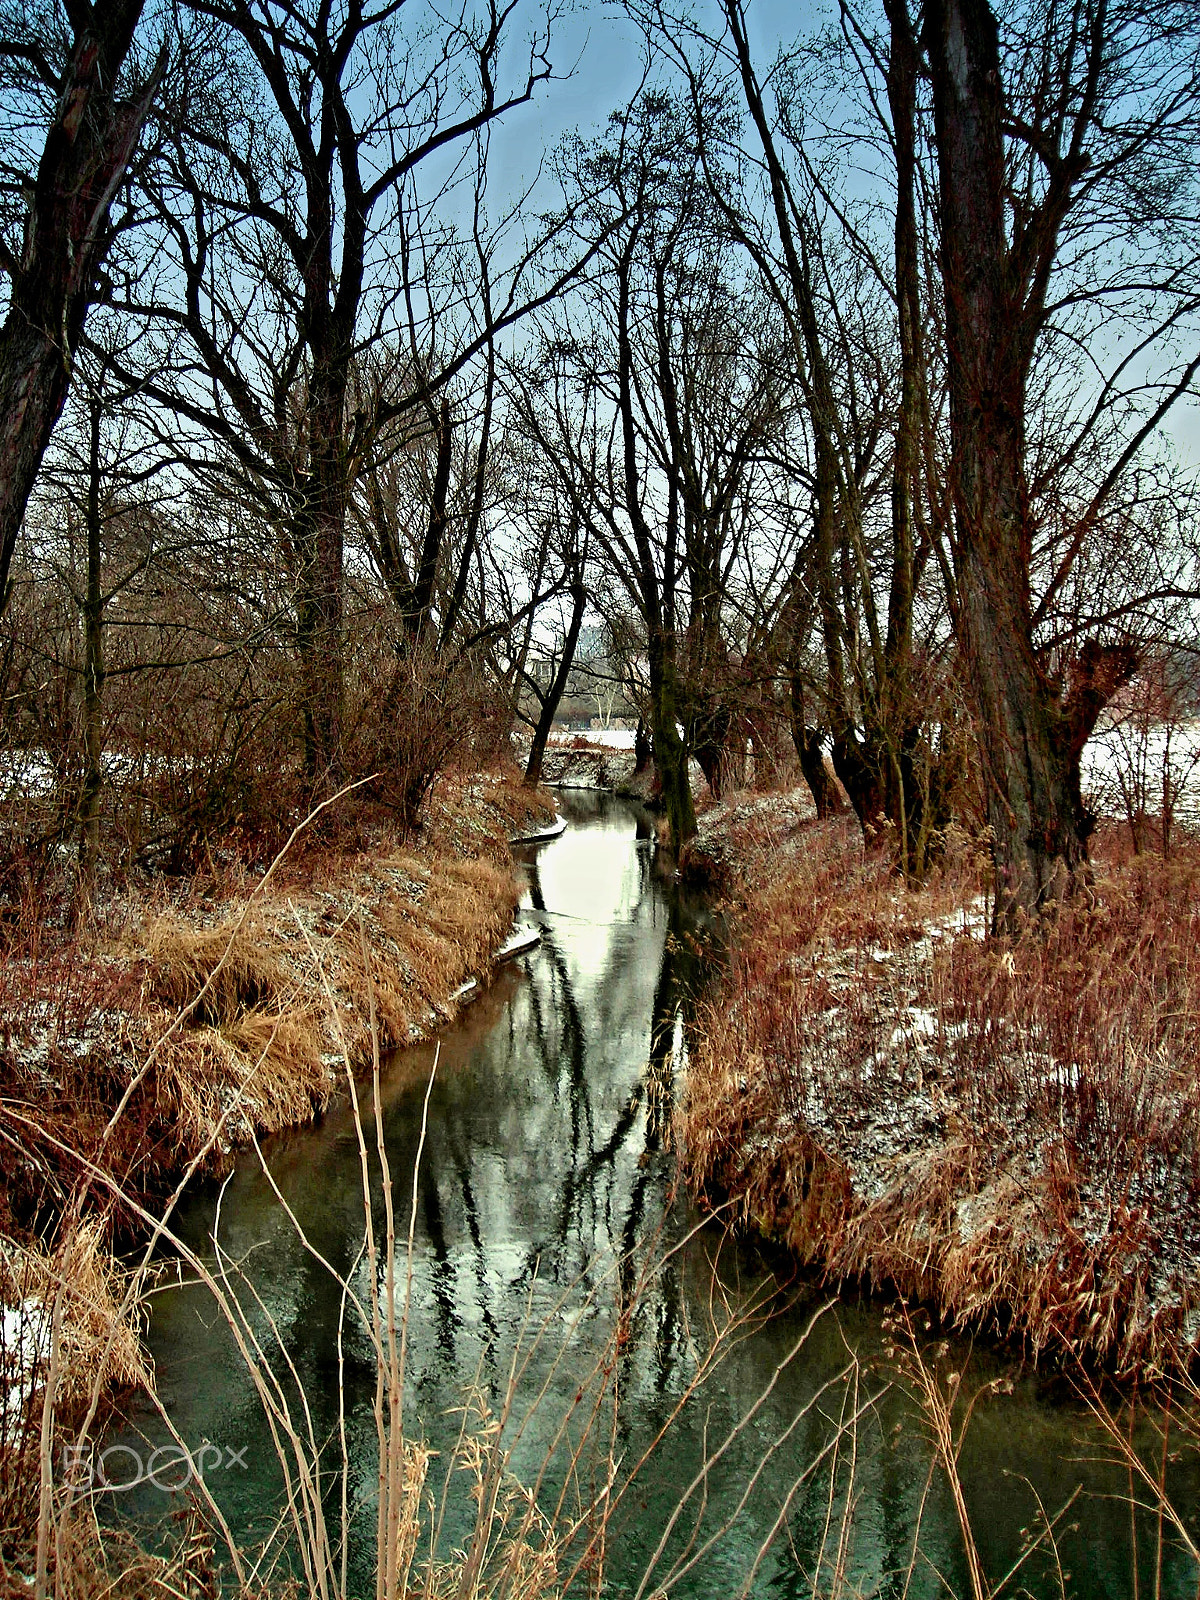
<point x="586" y="761"/>
<point x="1007" y="1133"/>
<point x="187" y="1019"/>
<point x="220" y="1008"/>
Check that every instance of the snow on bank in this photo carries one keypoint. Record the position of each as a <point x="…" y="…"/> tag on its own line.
<point x="587" y="762"/>
<point x="24" y="1350"/>
<point x="610" y="738"/>
<point x="1006" y="1133"/>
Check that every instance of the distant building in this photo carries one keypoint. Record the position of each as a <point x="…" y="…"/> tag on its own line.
<point x="590" y="646"/>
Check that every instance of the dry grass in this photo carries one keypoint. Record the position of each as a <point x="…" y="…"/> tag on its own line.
<point x="154" y="1045"/>
<point x="219" y="972"/>
<point x="94" y="1563"/>
<point x="73" y="1296"/>
<point x="219" y="994"/>
<point x="522" y="1547"/>
<point x="737" y="835"/>
<point x="255" y="1024"/>
<point x="1007" y="1131"/>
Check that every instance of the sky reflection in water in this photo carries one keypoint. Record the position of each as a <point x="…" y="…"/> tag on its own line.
<point x="546" y="1160"/>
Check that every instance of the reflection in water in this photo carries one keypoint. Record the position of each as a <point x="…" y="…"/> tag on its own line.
<point x="545" y="1169"/>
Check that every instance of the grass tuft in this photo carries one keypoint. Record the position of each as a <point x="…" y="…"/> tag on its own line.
<point x="1007" y="1130"/>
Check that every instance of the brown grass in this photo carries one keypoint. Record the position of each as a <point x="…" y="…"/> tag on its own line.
<point x="1008" y="1131"/>
<point x="98" y="1348"/>
<point x="737" y="835"/>
<point x="255" y="1026"/>
<point x="222" y="991"/>
<point x="208" y="1021"/>
<point x="220" y="972"/>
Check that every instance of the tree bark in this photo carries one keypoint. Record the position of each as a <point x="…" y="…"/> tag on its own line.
<point x="711" y="730"/>
<point x="808" y="742"/>
<point x="419" y="618"/>
<point x="670" y="748"/>
<point x="657" y="597"/>
<point x="642" y="748"/>
<point x="88" y="148"/>
<point x="319" y="600"/>
<point x="1039" y="826"/>
<point x="899" y="719"/>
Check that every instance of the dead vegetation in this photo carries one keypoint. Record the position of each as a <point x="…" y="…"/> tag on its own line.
<point x="211" y="1003"/>
<point x="1005" y="1129"/>
<point x="152" y="1042"/>
<point x="64" y="1326"/>
<point x="737" y="835"/>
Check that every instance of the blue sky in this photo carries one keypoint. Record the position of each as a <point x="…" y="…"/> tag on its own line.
<point x="605" y="49"/>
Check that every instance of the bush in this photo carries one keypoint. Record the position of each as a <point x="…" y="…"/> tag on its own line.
<point x="417" y="714"/>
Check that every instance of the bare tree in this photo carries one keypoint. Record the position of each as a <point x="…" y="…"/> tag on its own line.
<point x="1067" y="158"/>
<point x="855" y="323"/>
<point x="655" y="401"/>
<point x="299" y="241"/>
<point x="549" y="695"/>
<point x="93" y="118"/>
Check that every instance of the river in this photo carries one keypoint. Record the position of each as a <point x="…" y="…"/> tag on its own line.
<point x="545" y="1194"/>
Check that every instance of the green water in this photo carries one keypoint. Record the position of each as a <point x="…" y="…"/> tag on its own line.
<point x="545" y="1184"/>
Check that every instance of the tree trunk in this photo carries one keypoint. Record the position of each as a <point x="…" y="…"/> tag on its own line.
<point x="321" y="539"/>
<point x="88" y="148"/>
<point x="853" y="759"/>
<point x="1039" y="827"/>
<point x="899" y="719"/>
<point x="670" y="749"/>
<point x="642" y="748"/>
<point x="554" y="694"/>
<point x="657" y="595"/>
<point x="93" y="676"/>
<point x="710" y="744"/>
<point x="808" y="742"/>
<point x="418" y="618"/>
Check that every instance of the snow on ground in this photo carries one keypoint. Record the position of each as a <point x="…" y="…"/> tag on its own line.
<point x="610" y="738"/>
<point x="24" y="1347"/>
<point x="897" y="1100"/>
<point x="589" y="761"/>
<point x="1129" y="764"/>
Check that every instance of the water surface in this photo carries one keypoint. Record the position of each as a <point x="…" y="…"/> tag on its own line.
<point x="544" y="1188"/>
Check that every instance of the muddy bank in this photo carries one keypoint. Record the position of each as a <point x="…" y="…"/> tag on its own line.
<point x="1008" y="1133"/>
<point x="196" y="1015"/>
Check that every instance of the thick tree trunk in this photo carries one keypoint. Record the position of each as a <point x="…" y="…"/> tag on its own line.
<point x="670" y="749"/>
<point x="710" y="744"/>
<point x="899" y="719"/>
<point x="319" y="602"/>
<point x="34" y="377"/>
<point x="809" y="751"/>
<point x="88" y="148"/>
<point x="1038" y="823"/>
<point x="93" y="677"/>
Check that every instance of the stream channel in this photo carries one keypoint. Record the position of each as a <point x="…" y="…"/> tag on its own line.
<point x="544" y="1185"/>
